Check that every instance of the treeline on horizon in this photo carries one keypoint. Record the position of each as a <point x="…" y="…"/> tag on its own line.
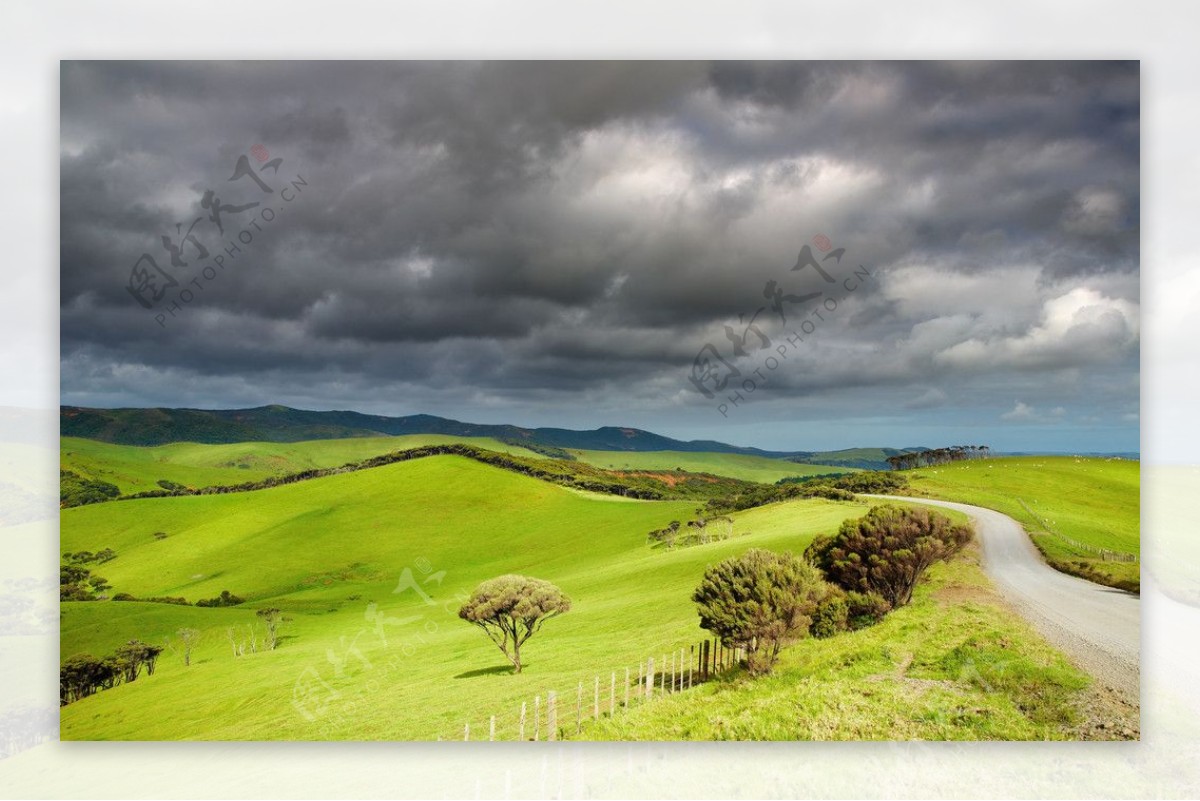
<point x="952" y="453"/>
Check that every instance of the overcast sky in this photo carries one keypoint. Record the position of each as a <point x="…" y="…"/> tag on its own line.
<point x="557" y="243"/>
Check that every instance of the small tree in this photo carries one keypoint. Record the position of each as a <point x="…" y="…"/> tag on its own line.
<point x="511" y="609"/>
<point x="271" y="618"/>
<point x="886" y="551"/>
<point x="759" y="601"/>
<point x="189" y="638"/>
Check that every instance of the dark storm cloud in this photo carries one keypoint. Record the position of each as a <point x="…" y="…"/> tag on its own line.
<point x="565" y="237"/>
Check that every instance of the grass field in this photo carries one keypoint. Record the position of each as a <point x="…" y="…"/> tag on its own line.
<point x="363" y="655"/>
<point x="136" y="469"/>
<point x="747" y="468"/>
<point x="325" y="550"/>
<point x="1093" y="501"/>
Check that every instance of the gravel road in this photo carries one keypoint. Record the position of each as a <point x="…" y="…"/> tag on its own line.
<point x="1098" y="627"/>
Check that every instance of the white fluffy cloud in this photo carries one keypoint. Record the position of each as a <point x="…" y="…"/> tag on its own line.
<point x="1081" y="326"/>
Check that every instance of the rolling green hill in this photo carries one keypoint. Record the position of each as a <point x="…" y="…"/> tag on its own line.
<point x="1094" y="501"/>
<point x="137" y="468"/>
<point x="747" y="468"/>
<point x="322" y="551"/>
<point x="365" y="655"/>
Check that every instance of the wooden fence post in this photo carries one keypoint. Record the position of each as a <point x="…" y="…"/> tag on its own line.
<point x="662" y="676"/>
<point x="492" y="730"/>
<point x="626" y="688"/>
<point x="579" y="709"/>
<point x="704" y="661"/>
<point x="552" y="715"/>
<point x="649" y="692"/>
<point x="522" y="721"/>
<point x="467" y="731"/>
<point x="537" y="717"/>
<point x="672" y="671"/>
<point x="596" y="701"/>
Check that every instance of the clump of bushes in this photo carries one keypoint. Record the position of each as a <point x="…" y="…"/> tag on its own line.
<point x="75" y="490"/>
<point x="825" y="491"/>
<point x="868" y="481"/>
<point x="82" y="675"/>
<point x="76" y="583"/>
<point x="886" y="551"/>
<point x="158" y="599"/>
<point x="226" y="598"/>
<point x="760" y="601"/>
<point x="86" y="557"/>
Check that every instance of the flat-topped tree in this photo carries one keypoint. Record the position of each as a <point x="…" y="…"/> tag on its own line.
<point x="511" y="609"/>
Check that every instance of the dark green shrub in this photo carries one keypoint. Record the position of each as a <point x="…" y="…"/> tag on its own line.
<point x="832" y="614"/>
<point x="887" y="550"/>
<point x="825" y="491"/>
<point x="759" y="601"/>
<point x="865" y="609"/>
<point x="75" y="490"/>
<point x="226" y="598"/>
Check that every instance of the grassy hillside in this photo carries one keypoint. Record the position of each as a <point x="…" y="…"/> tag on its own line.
<point x="953" y="665"/>
<point x="366" y="656"/>
<point x="135" y="468"/>
<point x="330" y="552"/>
<point x="1092" y="500"/>
<point x="747" y="468"/>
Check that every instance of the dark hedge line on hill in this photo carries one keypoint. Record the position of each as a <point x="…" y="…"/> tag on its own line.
<point x="719" y="494"/>
<point x="639" y="485"/>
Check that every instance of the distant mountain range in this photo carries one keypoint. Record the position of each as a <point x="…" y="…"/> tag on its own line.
<point x="284" y="424"/>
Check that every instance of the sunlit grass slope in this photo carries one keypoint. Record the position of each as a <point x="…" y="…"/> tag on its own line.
<point x="955" y="664"/>
<point x="136" y="469"/>
<point x="748" y="468"/>
<point x="1094" y="501"/>
<point x="331" y="552"/>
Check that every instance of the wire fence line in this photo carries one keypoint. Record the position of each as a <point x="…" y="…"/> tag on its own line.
<point x="560" y="714"/>
<point x="1104" y="553"/>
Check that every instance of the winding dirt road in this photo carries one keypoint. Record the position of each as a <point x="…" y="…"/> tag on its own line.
<point x="1099" y="627"/>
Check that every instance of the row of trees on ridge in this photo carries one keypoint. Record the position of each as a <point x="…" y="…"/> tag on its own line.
<point x="953" y="453"/>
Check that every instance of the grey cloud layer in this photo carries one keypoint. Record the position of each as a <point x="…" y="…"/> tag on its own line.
<point x="561" y="239"/>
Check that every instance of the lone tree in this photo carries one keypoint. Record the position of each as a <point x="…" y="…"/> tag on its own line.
<point x="271" y="618"/>
<point x="511" y="609"/>
<point x="759" y="601"/>
<point x="189" y="638"/>
<point x="887" y="550"/>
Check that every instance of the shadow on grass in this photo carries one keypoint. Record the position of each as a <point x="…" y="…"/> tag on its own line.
<point x="491" y="671"/>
